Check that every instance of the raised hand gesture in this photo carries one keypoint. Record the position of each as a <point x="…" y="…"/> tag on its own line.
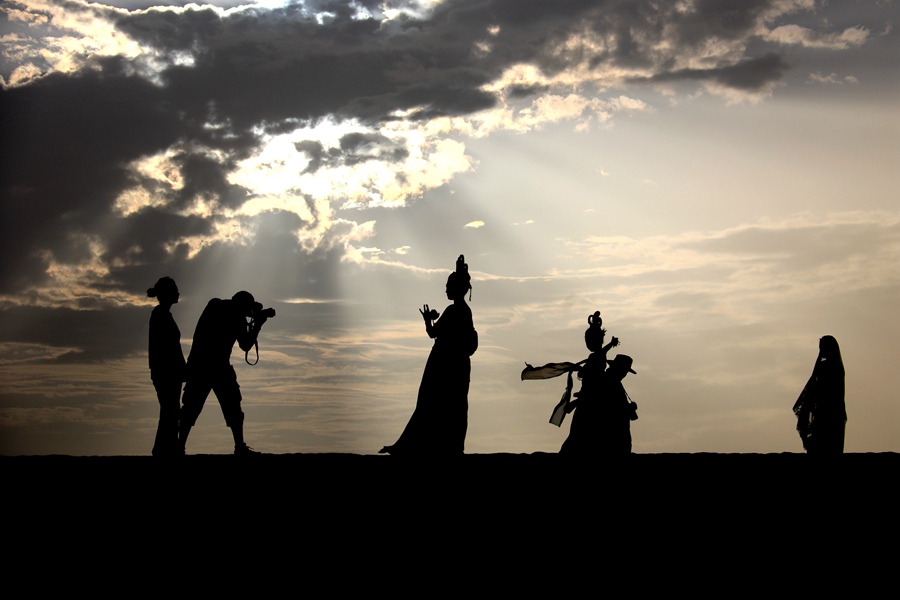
<point x="428" y="314"/>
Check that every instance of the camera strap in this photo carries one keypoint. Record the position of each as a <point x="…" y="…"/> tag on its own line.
<point x="247" y="355"/>
<point x="251" y="325"/>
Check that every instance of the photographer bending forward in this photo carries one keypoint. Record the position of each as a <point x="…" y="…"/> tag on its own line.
<point x="222" y="323"/>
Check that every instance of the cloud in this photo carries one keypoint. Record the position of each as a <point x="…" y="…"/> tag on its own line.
<point x="309" y="301"/>
<point x="18" y="417"/>
<point x="751" y="79"/>
<point x="17" y="353"/>
<point x="796" y="35"/>
<point x="738" y="272"/>
<point x="155" y="135"/>
<point x="833" y="78"/>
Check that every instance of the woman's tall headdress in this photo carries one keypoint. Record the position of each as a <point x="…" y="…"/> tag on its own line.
<point x="461" y="276"/>
<point x="594" y="334"/>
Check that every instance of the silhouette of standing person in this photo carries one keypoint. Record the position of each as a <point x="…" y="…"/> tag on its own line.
<point x="167" y="367"/>
<point x="601" y="425"/>
<point x="820" y="410"/>
<point x="222" y="323"/>
<point x="439" y="422"/>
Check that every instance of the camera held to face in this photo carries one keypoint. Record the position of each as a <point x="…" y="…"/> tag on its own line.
<point x="261" y="314"/>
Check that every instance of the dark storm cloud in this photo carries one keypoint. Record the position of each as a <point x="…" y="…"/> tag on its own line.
<point x="315" y="153"/>
<point x="353" y="148"/>
<point x="270" y="66"/>
<point x="96" y="335"/>
<point x="66" y="143"/>
<point x="151" y="230"/>
<point x="205" y="176"/>
<point x="359" y="147"/>
<point x="65" y="140"/>
<point x="523" y="91"/>
<point x="261" y="66"/>
<point x="748" y="75"/>
<point x="721" y="19"/>
<point x="274" y="263"/>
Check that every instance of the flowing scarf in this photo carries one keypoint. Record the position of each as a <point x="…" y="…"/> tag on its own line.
<point x="549" y="371"/>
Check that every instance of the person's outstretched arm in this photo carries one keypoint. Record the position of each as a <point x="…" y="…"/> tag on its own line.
<point x="612" y="344"/>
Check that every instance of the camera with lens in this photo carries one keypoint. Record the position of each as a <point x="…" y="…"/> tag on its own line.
<point x="260" y="313"/>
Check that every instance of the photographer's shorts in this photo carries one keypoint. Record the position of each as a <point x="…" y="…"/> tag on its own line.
<point x="222" y="381"/>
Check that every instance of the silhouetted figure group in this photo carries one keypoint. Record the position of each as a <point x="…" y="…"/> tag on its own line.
<point x="603" y="411"/>
<point x="820" y="410"/>
<point x="208" y="367"/>
<point x="601" y="425"/>
<point x="439" y="422"/>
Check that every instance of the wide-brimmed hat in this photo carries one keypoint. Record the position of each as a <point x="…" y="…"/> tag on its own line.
<point x="624" y="361"/>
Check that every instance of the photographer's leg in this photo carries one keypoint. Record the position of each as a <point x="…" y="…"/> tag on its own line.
<point x="237" y="432"/>
<point x="192" y="401"/>
<point x="228" y="392"/>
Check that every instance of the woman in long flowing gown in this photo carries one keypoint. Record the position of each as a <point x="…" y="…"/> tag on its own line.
<point x="167" y="366"/>
<point x="439" y="422"/>
<point x="821" y="413"/>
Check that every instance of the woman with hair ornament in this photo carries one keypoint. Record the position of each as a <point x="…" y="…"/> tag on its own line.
<point x="439" y="422"/>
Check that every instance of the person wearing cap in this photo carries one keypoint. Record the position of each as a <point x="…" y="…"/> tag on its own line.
<point x="222" y="323"/>
<point x="601" y="425"/>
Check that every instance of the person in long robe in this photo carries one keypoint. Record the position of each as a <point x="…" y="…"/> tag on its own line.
<point x="601" y="423"/>
<point x="821" y="413"/>
<point x="167" y="365"/>
<point x="439" y="422"/>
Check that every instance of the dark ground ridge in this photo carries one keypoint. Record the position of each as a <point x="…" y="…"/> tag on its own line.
<point x="707" y="523"/>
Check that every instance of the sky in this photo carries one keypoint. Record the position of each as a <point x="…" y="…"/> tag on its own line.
<point x="718" y="178"/>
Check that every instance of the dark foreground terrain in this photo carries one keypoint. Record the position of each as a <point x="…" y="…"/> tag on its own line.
<point x="691" y="522"/>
